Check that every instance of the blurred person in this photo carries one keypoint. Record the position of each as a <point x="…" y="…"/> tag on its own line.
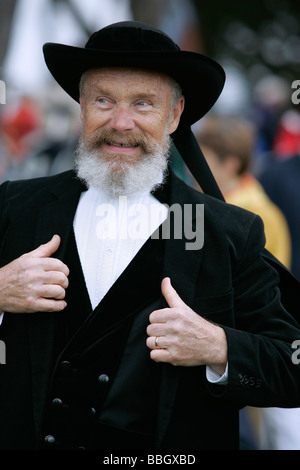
<point x="124" y="342"/>
<point x="280" y="181"/>
<point x="271" y="98"/>
<point x="281" y="178"/>
<point x="228" y="143"/>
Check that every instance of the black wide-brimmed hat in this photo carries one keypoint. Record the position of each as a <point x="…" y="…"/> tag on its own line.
<point x="138" y="45"/>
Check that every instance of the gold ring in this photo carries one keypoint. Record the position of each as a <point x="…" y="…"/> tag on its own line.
<point x="156" y="342"/>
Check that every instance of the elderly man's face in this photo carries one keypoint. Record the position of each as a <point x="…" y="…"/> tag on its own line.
<point x="130" y="108"/>
<point x="127" y="117"/>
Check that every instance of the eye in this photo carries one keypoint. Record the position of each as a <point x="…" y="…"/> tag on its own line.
<point x="143" y="104"/>
<point x="104" y="102"/>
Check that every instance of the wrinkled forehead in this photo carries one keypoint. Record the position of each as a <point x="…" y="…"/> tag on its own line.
<point x="125" y="76"/>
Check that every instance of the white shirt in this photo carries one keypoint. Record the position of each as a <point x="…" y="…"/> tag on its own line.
<point x="109" y="232"/>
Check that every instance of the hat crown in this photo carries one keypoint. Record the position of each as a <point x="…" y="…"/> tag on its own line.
<point x="131" y="36"/>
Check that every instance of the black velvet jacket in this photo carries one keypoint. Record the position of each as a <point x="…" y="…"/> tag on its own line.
<point x="84" y="378"/>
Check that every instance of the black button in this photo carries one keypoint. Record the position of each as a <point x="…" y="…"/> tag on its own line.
<point x="65" y="366"/>
<point x="103" y="379"/>
<point x="57" y="402"/>
<point x="49" y="439"/>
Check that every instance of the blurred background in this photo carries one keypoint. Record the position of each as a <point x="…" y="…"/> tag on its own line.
<point x="256" y="163"/>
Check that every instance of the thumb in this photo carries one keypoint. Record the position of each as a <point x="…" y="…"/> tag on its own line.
<point x="170" y="294"/>
<point x="47" y="249"/>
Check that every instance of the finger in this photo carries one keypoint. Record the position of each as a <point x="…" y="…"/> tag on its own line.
<point x="159" y="316"/>
<point x="156" y="342"/>
<point x="30" y="261"/>
<point x="160" y="355"/>
<point x="41" y="304"/>
<point x="57" y="266"/>
<point x="157" y="329"/>
<point x="52" y="292"/>
<point x="47" y="249"/>
<point x="55" y="270"/>
<point x="170" y="294"/>
<point x="49" y="305"/>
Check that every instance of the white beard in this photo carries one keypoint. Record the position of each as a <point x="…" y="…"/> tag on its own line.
<point x="144" y="175"/>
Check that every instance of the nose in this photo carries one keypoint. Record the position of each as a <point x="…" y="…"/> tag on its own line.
<point x="122" y="120"/>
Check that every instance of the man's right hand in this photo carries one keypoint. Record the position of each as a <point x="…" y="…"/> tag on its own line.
<point x="34" y="282"/>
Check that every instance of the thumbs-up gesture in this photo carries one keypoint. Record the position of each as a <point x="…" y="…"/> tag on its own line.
<point x="181" y="337"/>
<point x="34" y="282"/>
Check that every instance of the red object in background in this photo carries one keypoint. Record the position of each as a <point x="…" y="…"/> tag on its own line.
<point x="287" y="139"/>
<point x="17" y="123"/>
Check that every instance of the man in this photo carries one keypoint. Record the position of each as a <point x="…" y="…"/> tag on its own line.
<point x="119" y="332"/>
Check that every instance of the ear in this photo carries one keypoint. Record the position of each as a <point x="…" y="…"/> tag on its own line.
<point x="176" y="114"/>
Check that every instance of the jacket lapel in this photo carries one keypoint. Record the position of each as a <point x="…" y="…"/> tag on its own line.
<point x="56" y="216"/>
<point x="182" y="265"/>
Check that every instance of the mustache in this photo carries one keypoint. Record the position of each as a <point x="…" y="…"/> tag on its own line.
<point x="111" y="137"/>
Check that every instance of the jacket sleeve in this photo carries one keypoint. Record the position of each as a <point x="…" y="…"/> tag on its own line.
<point x="261" y="370"/>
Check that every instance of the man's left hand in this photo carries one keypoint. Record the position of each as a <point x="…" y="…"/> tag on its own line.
<point x="181" y="337"/>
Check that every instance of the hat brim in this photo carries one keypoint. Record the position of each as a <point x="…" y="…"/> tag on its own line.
<point x="201" y="78"/>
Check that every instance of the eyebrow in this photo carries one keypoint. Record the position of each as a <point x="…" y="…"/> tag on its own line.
<point x="136" y="94"/>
